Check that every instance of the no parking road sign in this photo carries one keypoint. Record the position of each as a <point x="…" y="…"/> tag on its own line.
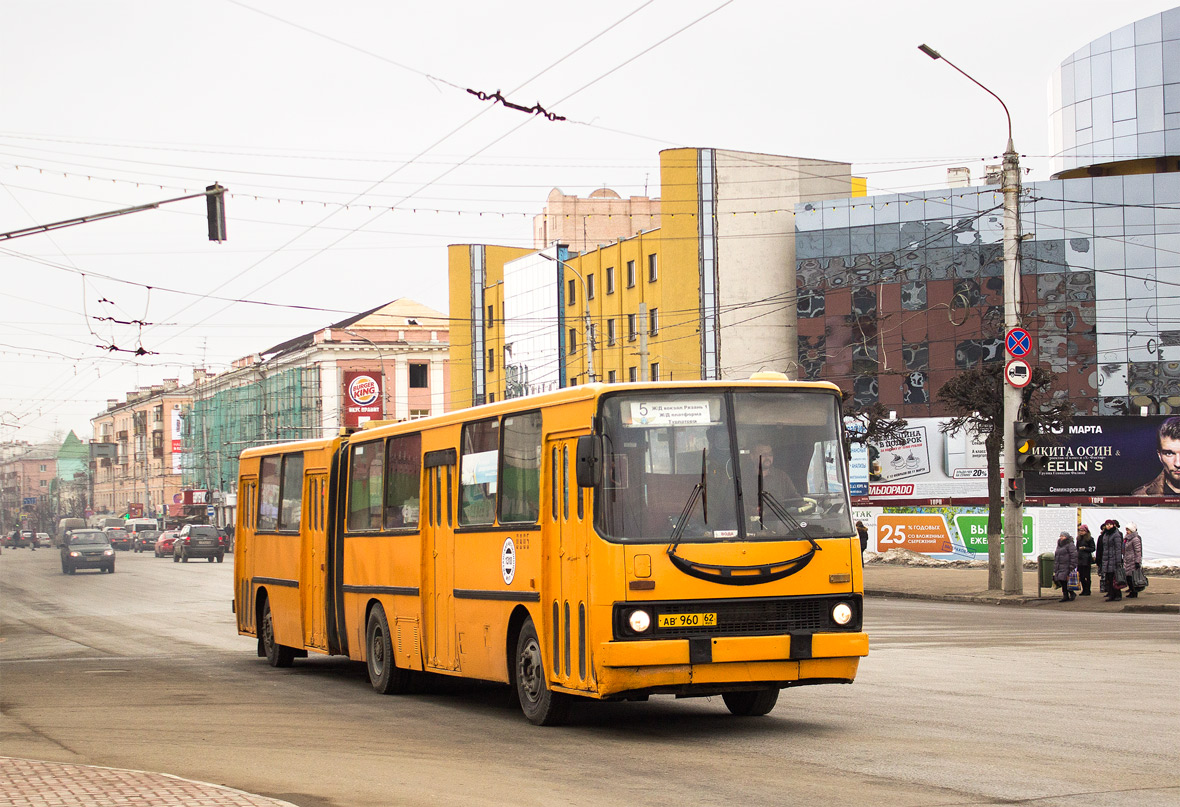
<point x="1018" y="342"/>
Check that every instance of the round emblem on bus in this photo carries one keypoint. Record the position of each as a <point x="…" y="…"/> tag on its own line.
<point x="508" y="561"/>
<point x="363" y="390"/>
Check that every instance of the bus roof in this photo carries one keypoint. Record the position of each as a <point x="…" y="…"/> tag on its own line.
<point x="580" y="392"/>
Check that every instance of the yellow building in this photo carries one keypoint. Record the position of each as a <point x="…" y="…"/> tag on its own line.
<point x="709" y="294"/>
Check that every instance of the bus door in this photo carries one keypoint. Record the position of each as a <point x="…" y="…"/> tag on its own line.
<point x="438" y="600"/>
<point x="569" y="568"/>
<point x="244" y="552"/>
<point x="314" y="575"/>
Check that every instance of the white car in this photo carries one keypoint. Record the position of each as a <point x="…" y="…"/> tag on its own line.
<point x="43" y="539"/>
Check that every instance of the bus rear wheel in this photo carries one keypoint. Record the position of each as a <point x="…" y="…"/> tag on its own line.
<point x="541" y="705"/>
<point x="277" y="655"/>
<point x="750" y="704"/>
<point x="385" y="676"/>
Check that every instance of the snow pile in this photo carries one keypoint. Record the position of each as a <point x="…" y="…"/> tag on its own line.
<point x="1168" y="567"/>
<point x="905" y="557"/>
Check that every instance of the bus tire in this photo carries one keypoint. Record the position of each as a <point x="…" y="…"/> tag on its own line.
<point x="277" y="655"/>
<point x="384" y="674"/>
<point x="751" y="704"/>
<point x="541" y="705"/>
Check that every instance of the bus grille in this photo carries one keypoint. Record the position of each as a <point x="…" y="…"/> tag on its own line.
<point x="755" y="617"/>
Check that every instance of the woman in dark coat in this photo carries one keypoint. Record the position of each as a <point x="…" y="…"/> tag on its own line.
<point x="1112" y="557"/>
<point x="1086" y="548"/>
<point x="862" y="532"/>
<point x="1065" y="560"/>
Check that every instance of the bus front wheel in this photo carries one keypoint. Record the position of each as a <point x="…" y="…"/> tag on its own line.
<point x="385" y="676"/>
<point x="750" y="704"/>
<point x="277" y="655"/>
<point x="541" y="705"/>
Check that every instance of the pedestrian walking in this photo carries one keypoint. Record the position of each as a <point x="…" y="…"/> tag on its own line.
<point x="1111" y="567"/>
<point x="1132" y="557"/>
<point x="1065" y="560"/>
<point x="863" y="532"/>
<point x="1085" y="545"/>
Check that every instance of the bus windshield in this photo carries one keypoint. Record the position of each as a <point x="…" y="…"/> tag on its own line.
<point x="745" y="465"/>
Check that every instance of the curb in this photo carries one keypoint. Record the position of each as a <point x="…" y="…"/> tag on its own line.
<point x="1017" y="600"/>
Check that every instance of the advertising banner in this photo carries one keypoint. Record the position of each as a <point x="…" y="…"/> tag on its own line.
<point x="957" y="533"/>
<point x="362" y="397"/>
<point x="924" y="463"/>
<point x="1109" y="456"/>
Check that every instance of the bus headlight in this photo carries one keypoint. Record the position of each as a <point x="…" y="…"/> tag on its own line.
<point x="639" y="621"/>
<point x="842" y="613"/>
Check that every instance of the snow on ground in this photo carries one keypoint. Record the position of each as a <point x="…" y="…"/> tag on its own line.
<point x="1169" y="567"/>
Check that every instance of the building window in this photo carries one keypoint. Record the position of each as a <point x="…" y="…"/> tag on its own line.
<point x="610" y="280"/>
<point x="573" y="340"/>
<point x="574" y="381"/>
<point x="491" y="397"/>
<point x="655" y="371"/>
<point x="612" y="376"/>
<point x="590" y="286"/>
<point x="491" y="360"/>
<point x="419" y="413"/>
<point x="652" y="269"/>
<point x="631" y="375"/>
<point x="158" y="414"/>
<point x="491" y="320"/>
<point x="158" y="443"/>
<point x="610" y="332"/>
<point x="572" y="297"/>
<point x="631" y="332"/>
<point x="418" y="376"/>
<point x="630" y="274"/>
<point x="653" y="321"/>
<point x="44" y="483"/>
<point x="43" y="468"/>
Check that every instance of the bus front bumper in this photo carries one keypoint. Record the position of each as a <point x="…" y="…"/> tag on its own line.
<point x="672" y="665"/>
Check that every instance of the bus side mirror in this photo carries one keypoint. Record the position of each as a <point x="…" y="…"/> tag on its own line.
<point x="588" y="461"/>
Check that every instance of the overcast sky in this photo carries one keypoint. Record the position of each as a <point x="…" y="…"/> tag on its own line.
<point x="321" y="117"/>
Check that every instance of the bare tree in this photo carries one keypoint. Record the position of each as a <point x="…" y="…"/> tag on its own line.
<point x="872" y="424"/>
<point x="976" y="398"/>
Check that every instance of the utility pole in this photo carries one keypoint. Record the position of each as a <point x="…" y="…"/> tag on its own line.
<point x="1013" y="578"/>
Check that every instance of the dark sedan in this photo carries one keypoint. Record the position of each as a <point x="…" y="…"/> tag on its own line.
<point x="145" y="540"/>
<point x="87" y="549"/>
<point x="119" y="538"/>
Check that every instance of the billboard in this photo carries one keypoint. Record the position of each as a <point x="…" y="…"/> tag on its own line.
<point x="923" y="463"/>
<point x="1109" y="456"/>
<point x="363" y="397"/>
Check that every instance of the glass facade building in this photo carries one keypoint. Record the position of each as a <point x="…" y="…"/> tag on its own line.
<point x="898" y="293"/>
<point x="1118" y="98"/>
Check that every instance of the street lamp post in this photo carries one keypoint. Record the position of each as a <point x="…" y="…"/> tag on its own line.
<point x="585" y="315"/>
<point x="1010" y="185"/>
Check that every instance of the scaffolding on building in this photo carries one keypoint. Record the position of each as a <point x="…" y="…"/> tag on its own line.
<point x="247" y="407"/>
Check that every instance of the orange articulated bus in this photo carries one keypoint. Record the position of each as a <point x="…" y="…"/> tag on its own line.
<point x="604" y="542"/>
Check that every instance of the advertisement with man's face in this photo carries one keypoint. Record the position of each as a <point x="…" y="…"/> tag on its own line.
<point x="1109" y="456"/>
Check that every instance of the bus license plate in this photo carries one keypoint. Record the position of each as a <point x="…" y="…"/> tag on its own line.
<point x="687" y="620"/>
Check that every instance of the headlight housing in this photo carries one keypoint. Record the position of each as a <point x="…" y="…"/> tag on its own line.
<point x="842" y="613"/>
<point x="75" y="554"/>
<point x="639" y="621"/>
<point x="109" y="552"/>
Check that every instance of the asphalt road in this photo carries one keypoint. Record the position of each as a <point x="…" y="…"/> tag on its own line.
<point x="955" y="705"/>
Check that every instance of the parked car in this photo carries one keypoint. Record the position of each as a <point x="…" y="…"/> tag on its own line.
<point x="43" y="539"/>
<point x="145" y="540"/>
<point x="119" y="537"/>
<point x="87" y="549"/>
<point x="165" y="543"/>
<point x="198" y="541"/>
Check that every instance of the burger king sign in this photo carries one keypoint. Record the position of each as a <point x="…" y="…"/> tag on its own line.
<point x="362" y="397"/>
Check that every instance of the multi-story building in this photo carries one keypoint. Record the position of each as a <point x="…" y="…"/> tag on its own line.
<point x="707" y="294"/>
<point x="593" y="221"/>
<point x="898" y="293"/>
<point x="26" y="486"/>
<point x="388" y="363"/>
<point x="135" y="466"/>
<point x="71" y="488"/>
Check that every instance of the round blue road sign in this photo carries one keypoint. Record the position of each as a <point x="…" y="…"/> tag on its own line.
<point x="1018" y="342"/>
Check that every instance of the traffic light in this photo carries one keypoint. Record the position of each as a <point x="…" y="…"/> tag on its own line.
<point x="215" y="204"/>
<point x="1027" y="459"/>
<point x="1016" y="490"/>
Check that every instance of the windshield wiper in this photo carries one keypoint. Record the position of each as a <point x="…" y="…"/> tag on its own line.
<point x="699" y="491"/>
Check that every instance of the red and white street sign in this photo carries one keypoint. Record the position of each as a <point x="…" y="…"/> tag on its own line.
<point x="1018" y="373"/>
